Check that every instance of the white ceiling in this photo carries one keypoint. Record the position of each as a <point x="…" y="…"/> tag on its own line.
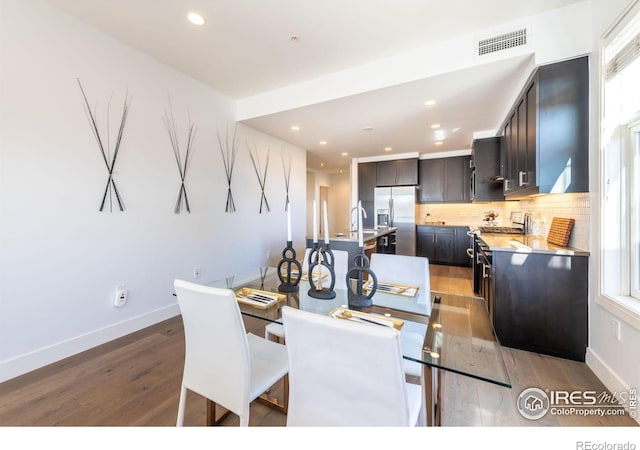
<point x="244" y="50"/>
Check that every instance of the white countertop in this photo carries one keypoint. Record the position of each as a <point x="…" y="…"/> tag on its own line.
<point x="367" y="235"/>
<point x="521" y="243"/>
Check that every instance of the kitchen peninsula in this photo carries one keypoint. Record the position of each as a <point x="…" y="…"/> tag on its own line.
<point x="536" y="293"/>
<point x="380" y="240"/>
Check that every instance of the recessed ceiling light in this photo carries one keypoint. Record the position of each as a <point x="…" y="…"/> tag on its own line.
<point x="435" y="126"/>
<point x="429" y="103"/>
<point x="388" y="149"/>
<point x="438" y="143"/>
<point x="344" y="154"/>
<point x="294" y="38"/>
<point x="195" y="18"/>
<point x="439" y="134"/>
<point x="323" y="142"/>
<point x="367" y="128"/>
<point x="295" y="128"/>
<point x="321" y="164"/>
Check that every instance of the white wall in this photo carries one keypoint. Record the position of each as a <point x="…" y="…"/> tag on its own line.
<point x="617" y="363"/>
<point x="435" y="59"/>
<point x="61" y="259"/>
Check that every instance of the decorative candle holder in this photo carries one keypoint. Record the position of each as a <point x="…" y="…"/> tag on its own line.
<point x="289" y="283"/>
<point x="358" y="299"/>
<point x="319" y="257"/>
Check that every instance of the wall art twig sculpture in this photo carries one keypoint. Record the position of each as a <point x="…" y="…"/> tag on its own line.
<point x="228" y="150"/>
<point x="262" y="175"/>
<point x="109" y="160"/>
<point x="183" y="165"/>
<point x="286" y="168"/>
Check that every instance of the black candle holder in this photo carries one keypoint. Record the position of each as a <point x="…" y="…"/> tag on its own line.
<point x="357" y="298"/>
<point x="321" y="256"/>
<point x="289" y="283"/>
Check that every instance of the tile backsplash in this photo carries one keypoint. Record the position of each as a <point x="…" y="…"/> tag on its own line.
<point x="544" y="208"/>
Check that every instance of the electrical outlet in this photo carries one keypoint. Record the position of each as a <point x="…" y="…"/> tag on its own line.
<point x="615" y="327"/>
<point x="121" y="296"/>
<point x="196" y="272"/>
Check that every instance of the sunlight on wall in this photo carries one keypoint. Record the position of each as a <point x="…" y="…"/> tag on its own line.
<point x="564" y="180"/>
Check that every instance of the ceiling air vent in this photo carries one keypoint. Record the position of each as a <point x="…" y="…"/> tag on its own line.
<point x="502" y="42"/>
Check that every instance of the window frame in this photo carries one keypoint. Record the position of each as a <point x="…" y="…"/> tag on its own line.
<point x="633" y="203"/>
<point x="619" y="303"/>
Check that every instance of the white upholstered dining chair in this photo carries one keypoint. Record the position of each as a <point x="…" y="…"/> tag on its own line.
<point x="223" y="362"/>
<point x="273" y="331"/>
<point x="343" y="373"/>
<point x="411" y="270"/>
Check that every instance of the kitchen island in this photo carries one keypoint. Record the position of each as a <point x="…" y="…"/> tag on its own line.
<point x="380" y="240"/>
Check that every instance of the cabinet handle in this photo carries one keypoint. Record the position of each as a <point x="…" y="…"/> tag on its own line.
<point x="521" y="176"/>
<point x="473" y="185"/>
<point x="506" y="184"/>
<point x="484" y="270"/>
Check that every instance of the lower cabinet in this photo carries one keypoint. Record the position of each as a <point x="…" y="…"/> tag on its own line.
<point x="443" y="244"/>
<point x="540" y="302"/>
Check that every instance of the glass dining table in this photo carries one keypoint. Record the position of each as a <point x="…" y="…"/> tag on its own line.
<point x="457" y="332"/>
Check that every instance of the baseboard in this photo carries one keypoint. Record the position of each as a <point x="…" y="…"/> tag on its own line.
<point x="39" y="358"/>
<point x="608" y="377"/>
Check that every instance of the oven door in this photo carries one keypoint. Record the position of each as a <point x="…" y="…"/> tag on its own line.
<point x="477" y="265"/>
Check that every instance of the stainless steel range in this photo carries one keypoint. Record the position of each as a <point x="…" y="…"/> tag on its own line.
<point x="481" y="253"/>
<point x="501" y="230"/>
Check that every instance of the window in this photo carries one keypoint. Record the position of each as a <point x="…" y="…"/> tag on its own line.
<point x="634" y="216"/>
<point x="620" y="163"/>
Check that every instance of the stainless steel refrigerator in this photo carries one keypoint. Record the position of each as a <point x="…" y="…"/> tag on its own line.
<point x="398" y="204"/>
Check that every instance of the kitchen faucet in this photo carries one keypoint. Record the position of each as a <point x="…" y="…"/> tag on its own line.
<point x="354" y="225"/>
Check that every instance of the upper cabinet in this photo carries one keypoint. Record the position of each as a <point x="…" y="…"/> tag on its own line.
<point x="400" y="172"/>
<point x="486" y="176"/>
<point x="366" y="181"/>
<point x="546" y="134"/>
<point x="366" y="187"/>
<point x="444" y="180"/>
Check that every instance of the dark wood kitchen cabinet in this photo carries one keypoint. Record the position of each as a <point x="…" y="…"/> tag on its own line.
<point x="546" y="134"/>
<point x="431" y="178"/>
<point x="540" y="302"/>
<point x="445" y="180"/>
<point x="400" y="172"/>
<point x="486" y="176"/>
<point x="367" y="173"/>
<point x="443" y="245"/>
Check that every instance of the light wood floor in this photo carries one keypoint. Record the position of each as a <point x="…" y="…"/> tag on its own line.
<point x="135" y="381"/>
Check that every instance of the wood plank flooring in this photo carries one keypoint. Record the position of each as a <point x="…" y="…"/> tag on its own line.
<point x="135" y="381"/>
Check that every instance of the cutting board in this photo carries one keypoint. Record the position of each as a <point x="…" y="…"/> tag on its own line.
<point x="560" y="231"/>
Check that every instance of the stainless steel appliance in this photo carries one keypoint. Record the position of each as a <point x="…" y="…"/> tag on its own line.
<point x="382" y="216"/>
<point x="400" y="201"/>
<point x="481" y="255"/>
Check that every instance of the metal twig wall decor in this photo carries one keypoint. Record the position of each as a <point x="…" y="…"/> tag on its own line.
<point x="110" y="189"/>
<point x="183" y="164"/>
<point x="262" y="175"/>
<point x="286" y="168"/>
<point x="228" y="150"/>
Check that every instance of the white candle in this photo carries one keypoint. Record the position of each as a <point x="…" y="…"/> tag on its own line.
<point x="315" y="223"/>
<point x="326" y="224"/>
<point x="288" y="222"/>
<point x="360" y="240"/>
